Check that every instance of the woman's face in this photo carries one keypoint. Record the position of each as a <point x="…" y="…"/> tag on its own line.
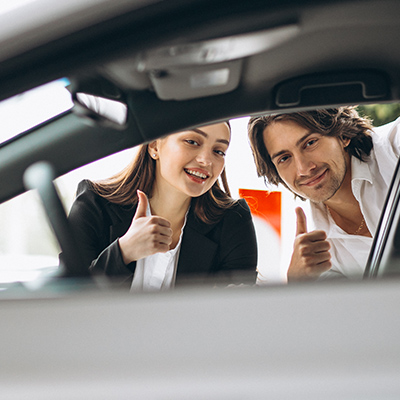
<point x="191" y="161"/>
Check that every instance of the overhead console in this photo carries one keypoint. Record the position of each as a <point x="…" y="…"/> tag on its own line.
<point x="185" y="71"/>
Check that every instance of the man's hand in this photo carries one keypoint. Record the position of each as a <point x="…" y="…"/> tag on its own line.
<point x="146" y="235"/>
<point x="311" y="256"/>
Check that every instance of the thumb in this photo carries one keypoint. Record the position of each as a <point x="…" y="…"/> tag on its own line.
<point x="142" y="205"/>
<point x="301" y="223"/>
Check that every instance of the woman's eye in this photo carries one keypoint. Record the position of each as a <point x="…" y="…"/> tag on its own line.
<point x="190" y="141"/>
<point x="220" y="152"/>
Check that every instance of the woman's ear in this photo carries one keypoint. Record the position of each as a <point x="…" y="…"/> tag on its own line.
<point x="152" y="148"/>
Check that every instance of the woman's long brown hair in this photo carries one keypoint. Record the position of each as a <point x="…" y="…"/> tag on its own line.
<point x="140" y="174"/>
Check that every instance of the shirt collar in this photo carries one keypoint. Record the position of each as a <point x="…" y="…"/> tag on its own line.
<point x="360" y="172"/>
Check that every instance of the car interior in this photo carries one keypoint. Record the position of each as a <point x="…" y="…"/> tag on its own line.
<point x="162" y="67"/>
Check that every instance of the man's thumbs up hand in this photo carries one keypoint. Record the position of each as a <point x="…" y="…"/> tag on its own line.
<point x="311" y="256"/>
<point x="301" y="221"/>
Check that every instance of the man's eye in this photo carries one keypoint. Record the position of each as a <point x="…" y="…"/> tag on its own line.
<point x="283" y="159"/>
<point x="311" y="142"/>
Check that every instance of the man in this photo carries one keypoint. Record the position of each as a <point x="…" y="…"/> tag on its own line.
<point x="344" y="166"/>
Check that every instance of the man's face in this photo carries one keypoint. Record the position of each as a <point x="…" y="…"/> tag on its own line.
<point x="312" y="165"/>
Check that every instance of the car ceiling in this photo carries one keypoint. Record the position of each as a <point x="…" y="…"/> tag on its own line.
<point x="288" y="55"/>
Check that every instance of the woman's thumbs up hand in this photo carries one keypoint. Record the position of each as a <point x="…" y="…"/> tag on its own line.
<point x="146" y="235"/>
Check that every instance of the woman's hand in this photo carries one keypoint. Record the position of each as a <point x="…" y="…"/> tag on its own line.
<point x="146" y="235"/>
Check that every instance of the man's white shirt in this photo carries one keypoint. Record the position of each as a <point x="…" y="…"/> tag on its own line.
<point x="370" y="182"/>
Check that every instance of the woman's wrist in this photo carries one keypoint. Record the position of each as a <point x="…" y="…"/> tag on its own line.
<point x="122" y="249"/>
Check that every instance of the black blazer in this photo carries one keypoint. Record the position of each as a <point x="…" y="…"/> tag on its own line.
<point x="225" y="251"/>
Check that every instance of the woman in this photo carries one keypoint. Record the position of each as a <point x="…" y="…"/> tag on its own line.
<point x="165" y="217"/>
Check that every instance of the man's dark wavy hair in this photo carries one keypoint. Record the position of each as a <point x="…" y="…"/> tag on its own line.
<point x="344" y="122"/>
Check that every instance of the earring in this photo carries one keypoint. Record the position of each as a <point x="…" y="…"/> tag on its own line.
<point x="154" y="155"/>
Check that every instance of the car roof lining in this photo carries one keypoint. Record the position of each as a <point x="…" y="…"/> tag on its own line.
<point x="129" y="33"/>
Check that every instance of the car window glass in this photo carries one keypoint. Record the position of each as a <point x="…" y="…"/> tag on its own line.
<point x="31" y="108"/>
<point x="243" y="182"/>
<point x="28" y="249"/>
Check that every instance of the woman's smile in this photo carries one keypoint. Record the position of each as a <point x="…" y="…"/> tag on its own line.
<point x="197" y="175"/>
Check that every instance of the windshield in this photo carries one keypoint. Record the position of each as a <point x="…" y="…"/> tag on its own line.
<point x="31" y="108"/>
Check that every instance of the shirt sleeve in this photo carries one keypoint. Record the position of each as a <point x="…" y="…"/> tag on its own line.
<point x="391" y="133"/>
<point x="90" y="226"/>
<point x="238" y="247"/>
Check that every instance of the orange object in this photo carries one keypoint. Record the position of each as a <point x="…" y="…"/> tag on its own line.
<point x="264" y="204"/>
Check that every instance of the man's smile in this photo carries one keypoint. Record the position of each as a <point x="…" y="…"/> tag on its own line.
<point x="314" y="180"/>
